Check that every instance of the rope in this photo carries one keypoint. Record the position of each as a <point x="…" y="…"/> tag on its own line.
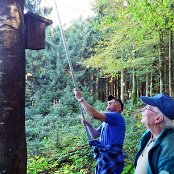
<point x="70" y="65"/>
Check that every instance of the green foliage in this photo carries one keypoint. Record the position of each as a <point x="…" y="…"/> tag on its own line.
<point x="121" y="37"/>
<point x="70" y="157"/>
<point x="155" y="15"/>
<point x="39" y="164"/>
<point x="128" y="169"/>
<point x="34" y="6"/>
<point x="128" y="40"/>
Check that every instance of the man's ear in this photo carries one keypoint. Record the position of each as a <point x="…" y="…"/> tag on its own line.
<point x="159" y="119"/>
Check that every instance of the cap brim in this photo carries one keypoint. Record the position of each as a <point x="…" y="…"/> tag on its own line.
<point x="148" y="100"/>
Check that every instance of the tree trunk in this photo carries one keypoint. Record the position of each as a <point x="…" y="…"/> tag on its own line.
<point x="93" y="84"/>
<point x="117" y="88"/>
<point x="102" y="89"/>
<point x="122" y="86"/>
<point x="13" y="156"/>
<point x="134" y="87"/>
<point x="97" y="87"/>
<point x="151" y="83"/>
<point x="161" y="58"/>
<point x="170" y="62"/>
<point x="112" y="87"/>
<point x="138" y="87"/>
<point x="147" y="84"/>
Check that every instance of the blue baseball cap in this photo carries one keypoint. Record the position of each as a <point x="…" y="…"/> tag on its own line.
<point x="162" y="101"/>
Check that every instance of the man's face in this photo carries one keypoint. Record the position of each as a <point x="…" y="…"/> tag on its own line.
<point x="149" y="115"/>
<point x="113" y="106"/>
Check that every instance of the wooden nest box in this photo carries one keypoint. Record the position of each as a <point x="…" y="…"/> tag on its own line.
<point x="35" y="26"/>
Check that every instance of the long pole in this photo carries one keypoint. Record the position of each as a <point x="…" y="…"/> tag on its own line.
<point x="70" y="64"/>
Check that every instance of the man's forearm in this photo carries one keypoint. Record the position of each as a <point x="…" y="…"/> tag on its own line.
<point x="93" y="132"/>
<point x="91" y="111"/>
<point x="88" y="108"/>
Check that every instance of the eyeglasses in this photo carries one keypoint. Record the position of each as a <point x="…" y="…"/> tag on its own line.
<point x="111" y="101"/>
<point x="147" y="108"/>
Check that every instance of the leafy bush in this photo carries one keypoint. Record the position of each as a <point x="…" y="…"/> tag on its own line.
<point x="37" y="164"/>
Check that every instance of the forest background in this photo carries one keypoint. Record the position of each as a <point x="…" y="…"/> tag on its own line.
<point x="125" y="49"/>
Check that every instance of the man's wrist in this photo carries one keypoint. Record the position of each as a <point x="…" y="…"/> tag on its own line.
<point x="80" y="99"/>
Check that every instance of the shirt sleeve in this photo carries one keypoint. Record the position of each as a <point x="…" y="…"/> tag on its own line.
<point x="113" y="118"/>
<point x="166" y="166"/>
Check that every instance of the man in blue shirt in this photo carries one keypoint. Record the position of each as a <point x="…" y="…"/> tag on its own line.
<point x="111" y="134"/>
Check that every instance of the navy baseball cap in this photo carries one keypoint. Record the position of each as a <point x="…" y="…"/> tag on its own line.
<point x="162" y="101"/>
<point x="111" y="97"/>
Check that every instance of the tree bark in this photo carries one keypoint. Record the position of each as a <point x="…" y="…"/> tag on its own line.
<point x="151" y="83"/>
<point x="134" y="87"/>
<point x="147" y="84"/>
<point x="12" y="88"/>
<point x="170" y="62"/>
<point x="122" y="85"/>
<point x="161" y="60"/>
